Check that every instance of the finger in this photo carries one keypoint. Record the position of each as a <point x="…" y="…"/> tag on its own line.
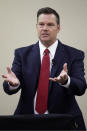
<point x="57" y="78"/>
<point x="9" y="70"/>
<point x="65" y="67"/>
<point x="52" y="79"/>
<point x="4" y="76"/>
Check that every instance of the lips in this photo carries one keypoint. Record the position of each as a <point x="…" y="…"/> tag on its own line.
<point x="45" y="35"/>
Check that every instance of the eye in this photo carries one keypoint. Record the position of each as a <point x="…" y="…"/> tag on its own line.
<point x="50" y="24"/>
<point x="41" y="24"/>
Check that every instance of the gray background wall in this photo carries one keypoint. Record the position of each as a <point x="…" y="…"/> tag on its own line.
<point x="18" y="28"/>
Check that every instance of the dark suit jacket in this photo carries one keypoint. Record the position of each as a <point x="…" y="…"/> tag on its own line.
<point x="61" y="100"/>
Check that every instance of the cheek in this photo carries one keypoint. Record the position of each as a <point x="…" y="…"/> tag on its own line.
<point x="39" y="31"/>
<point x="53" y="33"/>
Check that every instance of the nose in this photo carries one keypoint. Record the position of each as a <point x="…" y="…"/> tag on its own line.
<point x="45" y="27"/>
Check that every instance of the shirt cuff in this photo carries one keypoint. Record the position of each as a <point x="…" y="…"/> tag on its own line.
<point x="13" y="87"/>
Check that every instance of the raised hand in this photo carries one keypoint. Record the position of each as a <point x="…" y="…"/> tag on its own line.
<point x="11" y="78"/>
<point x="63" y="77"/>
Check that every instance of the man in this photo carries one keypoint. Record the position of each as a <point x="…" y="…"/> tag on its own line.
<point x="64" y="64"/>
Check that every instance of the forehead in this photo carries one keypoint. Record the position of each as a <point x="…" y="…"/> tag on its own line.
<point x="47" y="18"/>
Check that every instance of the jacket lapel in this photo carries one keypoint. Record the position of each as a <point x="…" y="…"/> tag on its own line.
<point x="58" y="62"/>
<point x="36" y="55"/>
<point x="36" y="64"/>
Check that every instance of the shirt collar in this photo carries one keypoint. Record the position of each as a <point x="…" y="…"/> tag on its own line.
<point x="51" y="48"/>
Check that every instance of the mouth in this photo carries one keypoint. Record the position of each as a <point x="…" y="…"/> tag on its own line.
<point x="45" y="35"/>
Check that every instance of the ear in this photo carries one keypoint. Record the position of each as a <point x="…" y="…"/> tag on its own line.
<point x="58" y="27"/>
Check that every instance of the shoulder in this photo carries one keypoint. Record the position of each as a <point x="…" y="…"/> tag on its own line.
<point x="72" y="51"/>
<point x="26" y="49"/>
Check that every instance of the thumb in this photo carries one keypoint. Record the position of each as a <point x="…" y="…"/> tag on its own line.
<point x="65" y="67"/>
<point x="9" y="70"/>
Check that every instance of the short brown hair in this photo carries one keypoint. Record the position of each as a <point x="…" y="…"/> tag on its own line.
<point x="48" y="10"/>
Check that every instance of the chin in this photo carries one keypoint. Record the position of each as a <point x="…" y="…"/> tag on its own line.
<point x="45" y="40"/>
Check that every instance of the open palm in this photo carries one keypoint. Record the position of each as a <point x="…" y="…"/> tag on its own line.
<point x="63" y="77"/>
<point x="11" y="78"/>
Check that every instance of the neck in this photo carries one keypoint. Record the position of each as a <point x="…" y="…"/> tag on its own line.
<point x="47" y="44"/>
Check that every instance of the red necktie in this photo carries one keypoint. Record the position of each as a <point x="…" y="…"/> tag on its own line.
<point x="42" y="91"/>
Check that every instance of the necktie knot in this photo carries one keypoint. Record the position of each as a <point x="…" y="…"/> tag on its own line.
<point x="46" y="51"/>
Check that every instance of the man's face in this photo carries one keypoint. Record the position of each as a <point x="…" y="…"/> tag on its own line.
<point x="47" y="28"/>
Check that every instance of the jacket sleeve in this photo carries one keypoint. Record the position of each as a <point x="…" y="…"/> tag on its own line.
<point x="77" y="80"/>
